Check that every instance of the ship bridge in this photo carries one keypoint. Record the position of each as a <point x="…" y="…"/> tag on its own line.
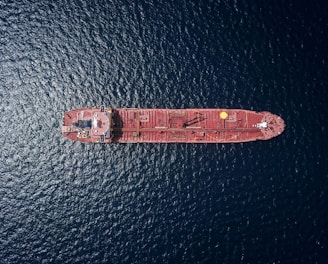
<point x="100" y="125"/>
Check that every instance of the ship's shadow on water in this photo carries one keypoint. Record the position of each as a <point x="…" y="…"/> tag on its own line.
<point x="117" y="132"/>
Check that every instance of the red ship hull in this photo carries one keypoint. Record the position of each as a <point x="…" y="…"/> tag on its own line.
<point x="131" y="125"/>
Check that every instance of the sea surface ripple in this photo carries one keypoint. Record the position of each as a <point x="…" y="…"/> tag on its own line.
<point x="67" y="202"/>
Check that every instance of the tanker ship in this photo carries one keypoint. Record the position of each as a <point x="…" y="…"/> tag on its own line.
<point x="134" y="125"/>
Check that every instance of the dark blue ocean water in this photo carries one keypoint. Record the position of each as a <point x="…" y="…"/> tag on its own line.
<point x="67" y="202"/>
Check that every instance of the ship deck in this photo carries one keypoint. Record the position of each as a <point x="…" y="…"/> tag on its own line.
<point x="132" y="125"/>
<point x="185" y="125"/>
